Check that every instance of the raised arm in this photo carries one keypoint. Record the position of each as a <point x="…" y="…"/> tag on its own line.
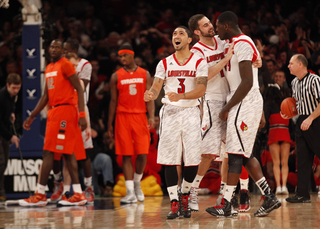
<point x="214" y="70"/>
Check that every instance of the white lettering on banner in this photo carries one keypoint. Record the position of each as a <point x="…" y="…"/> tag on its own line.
<point x="14" y="167"/>
<point x="130" y="81"/>
<point x="20" y="183"/>
<point x="50" y="74"/>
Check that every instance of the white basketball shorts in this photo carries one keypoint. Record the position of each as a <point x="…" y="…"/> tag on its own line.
<point x="243" y="123"/>
<point x="179" y="136"/>
<point x="213" y="128"/>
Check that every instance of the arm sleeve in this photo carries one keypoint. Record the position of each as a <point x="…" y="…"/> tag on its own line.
<point x="202" y="70"/>
<point x="160" y="71"/>
<point x="316" y="87"/>
<point x="86" y="71"/>
<point x="67" y="68"/>
<point x="245" y="51"/>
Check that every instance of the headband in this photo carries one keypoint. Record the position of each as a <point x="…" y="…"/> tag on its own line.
<point x="125" y="51"/>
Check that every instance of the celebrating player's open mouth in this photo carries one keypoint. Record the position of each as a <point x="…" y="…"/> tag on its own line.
<point x="177" y="43"/>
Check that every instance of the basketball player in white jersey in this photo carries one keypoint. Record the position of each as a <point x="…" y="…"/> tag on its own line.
<point x="84" y="69"/>
<point x="243" y="113"/>
<point x="185" y="75"/>
<point x="210" y="48"/>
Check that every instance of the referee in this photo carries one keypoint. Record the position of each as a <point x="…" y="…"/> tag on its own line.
<point x="306" y="89"/>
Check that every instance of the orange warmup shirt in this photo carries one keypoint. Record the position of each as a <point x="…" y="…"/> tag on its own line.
<point x="62" y="128"/>
<point x="131" y="127"/>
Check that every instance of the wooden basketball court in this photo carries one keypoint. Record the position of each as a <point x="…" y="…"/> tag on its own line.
<point x="108" y="213"/>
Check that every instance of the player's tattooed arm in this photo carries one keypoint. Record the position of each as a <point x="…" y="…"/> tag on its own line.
<point x="202" y="80"/>
<point x="154" y="91"/>
<point x="198" y="92"/>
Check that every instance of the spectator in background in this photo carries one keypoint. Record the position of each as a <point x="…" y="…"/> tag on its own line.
<point x="102" y="163"/>
<point x="279" y="136"/>
<point x="272" y="68"/>
<point x="8" y="98"/>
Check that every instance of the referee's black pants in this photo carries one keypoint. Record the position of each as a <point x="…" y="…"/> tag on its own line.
<point x="307" y="145"/>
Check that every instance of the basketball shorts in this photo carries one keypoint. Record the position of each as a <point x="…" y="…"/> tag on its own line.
<point x="63" y="135"/>
<point x="243" y="123"/>
<point x="132" y="135"/>
<point x="180" y="136"/>
<point x="213" y="128"/>
<point x="79" y="150"/>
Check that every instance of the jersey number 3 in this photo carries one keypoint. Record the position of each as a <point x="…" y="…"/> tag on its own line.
<point x="182" y="89"/>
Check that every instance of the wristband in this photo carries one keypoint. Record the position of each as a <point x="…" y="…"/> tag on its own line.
<point x="82" y="114"/>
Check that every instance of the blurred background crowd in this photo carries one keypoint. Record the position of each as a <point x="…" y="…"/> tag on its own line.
<point x="279" y="29"/>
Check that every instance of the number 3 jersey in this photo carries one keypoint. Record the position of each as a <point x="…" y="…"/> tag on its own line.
<point x="131" y="87"/>
<point x="181" y="78"/>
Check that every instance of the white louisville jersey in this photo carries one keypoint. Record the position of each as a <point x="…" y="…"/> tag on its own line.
<point x="217" y="87"/>
<point x="84" y="71"/>
<point x="244" y="49"/>
<point x="181" y="78"/>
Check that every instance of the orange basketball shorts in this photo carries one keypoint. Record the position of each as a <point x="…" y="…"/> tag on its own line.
<point x="131" y="134"/>
<point x="63" y="135"/>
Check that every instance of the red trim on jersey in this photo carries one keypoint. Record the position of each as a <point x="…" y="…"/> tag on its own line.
<point x="196" y="48"/>
<point x="255" y="53"/>
<point x="236" y="37"/>
<point x="215" y="48"/>
<point x="198" y="62"/>
<point x="175" y="58"/>
<point x="85" y="64"/>
<point x="164" y="61"/>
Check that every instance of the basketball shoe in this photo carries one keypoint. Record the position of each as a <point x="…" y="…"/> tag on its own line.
<point x="223" y="209"/>
<point x="193" y="200"/>
<point x="138" y="192"/>
<point x="57" y="192"/>
<point x="36" y="200"/>
<point x="185" y="211"/>
<point x="234" y="202"/>
<point x="244" y="201"/>
<point x="175" y="210"/>
<point x="270" y="203"/>
<point x="220" y="197"/>
<point x="89" y="194"/>
<point x="130" y="198"/>
<point x="75" y="199"/>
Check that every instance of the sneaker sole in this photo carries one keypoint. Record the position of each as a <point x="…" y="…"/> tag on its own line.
<point x="243" y="210"/>
<point x="26" y="204"/>
<point x="217" y="215"/>
<point x="275" y="206"/>
<point x="67" y="203"/>
<point x="128" y="202"/>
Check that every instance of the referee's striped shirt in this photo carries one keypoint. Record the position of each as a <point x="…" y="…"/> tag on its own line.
<point x="307" y="93"/>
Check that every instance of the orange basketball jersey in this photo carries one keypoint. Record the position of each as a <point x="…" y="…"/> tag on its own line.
<point x="60" y="90"/>
<point x="131" y="87"/>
